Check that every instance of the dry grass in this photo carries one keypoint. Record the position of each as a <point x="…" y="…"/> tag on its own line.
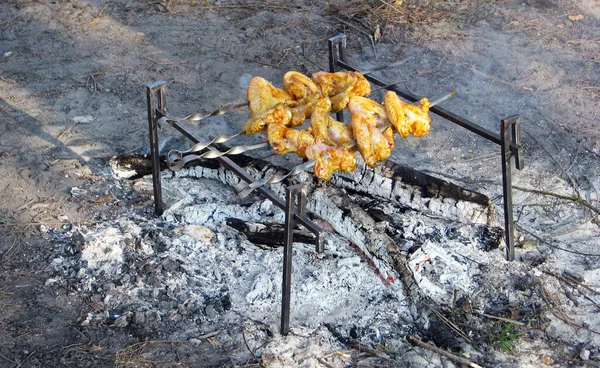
<point x="132" y="356"/>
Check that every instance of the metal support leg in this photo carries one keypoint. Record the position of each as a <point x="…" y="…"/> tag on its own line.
<point x="290" y="204"/>
<point x="337" y="51"/>
<point x="510" y="134"/>
<point x="156" y="97"/>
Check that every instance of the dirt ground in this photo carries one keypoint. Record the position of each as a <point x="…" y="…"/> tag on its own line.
<point x="72" y="95"/>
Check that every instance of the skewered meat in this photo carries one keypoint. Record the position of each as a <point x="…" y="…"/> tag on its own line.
<point x="327" y="141"/>
<point x="279" y="114"/>
<point x="329" y="159"/>
<point x="305" y="107"/>
<point x="341" y="86"/>
<point x="269" y="104"/>
<point x="326" y="129"/>
<point x="285" y="140"/>
<point x="407" y="118"/>
<point x="367" y="117"/>
<point x="299" y="85"/>
<point x="263" y="96"/>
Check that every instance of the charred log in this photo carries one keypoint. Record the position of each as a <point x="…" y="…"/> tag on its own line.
<point x="269" y="234"/>
<point x="364" y="206"/>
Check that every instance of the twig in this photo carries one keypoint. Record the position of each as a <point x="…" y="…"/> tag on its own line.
<point x="500" y="318"/>
<point x="451" y="324"/>
<point x="542" y="240"/>
<point x="496" y="79"/>
<point x="260" y="363"/>
<point x="320" y="360"/>
<point x="3" y="357"/>
<point x="578" y="199"/>
<point x="165" y="62"/>
<point x="575" y="283"/>
<point x="352" y="26"/>
<point x="353" y="343"/>
<point x="569" y="177"/>
<point x="415" y="341"/>
<point x="94" y="88"/>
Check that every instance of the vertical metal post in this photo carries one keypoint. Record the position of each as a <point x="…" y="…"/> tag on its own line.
<point x="156" y="98"/>
<point x="337" y="51"/>
<point x="510" y="132"/>
<point x="290" y="205"/>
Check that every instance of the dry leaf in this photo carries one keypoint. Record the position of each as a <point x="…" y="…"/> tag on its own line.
<point x="398" y="2"/>
<point x="546" y="360"/>
<point x="561" y="26"/>
<point x="576" y="17"/>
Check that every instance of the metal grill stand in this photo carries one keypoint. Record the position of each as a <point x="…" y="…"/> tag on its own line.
<point x="156" y="97"/>
<point x="509" y="138"/>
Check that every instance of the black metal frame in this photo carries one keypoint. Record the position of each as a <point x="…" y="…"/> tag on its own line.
<point x="295" y="201"/>
<point x="294" y="212"/>
<point x="509" y="138"/>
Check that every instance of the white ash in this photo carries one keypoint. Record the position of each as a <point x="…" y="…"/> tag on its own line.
<point x="187" y="274"/>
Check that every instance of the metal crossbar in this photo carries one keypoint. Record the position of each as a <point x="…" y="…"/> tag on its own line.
<point x="509" y="138"/>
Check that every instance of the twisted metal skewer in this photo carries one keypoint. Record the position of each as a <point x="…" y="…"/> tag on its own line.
<point x="176" y="159"/>
<point x="169" y="119"/>
<point x="244" y="189"/>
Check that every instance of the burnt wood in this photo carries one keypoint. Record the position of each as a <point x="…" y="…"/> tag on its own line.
<point x="269" y="234"/>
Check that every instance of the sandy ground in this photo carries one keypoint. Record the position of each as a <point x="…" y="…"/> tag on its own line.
<point x="72" y="89"/>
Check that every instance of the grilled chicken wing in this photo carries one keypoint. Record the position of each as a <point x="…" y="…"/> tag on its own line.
<point x="407" y="118"/>
<point x="367" y="117"/>
<point x="285" y="140"/>
<point x="341" y="86"/>
<point x="279" y="114"/>
<point x="304" y="108"/>
<point x="329" y="159"/>
<point x="326" y="129"/>
<point x="263" y="96"/>
<point x="299" y="85"/>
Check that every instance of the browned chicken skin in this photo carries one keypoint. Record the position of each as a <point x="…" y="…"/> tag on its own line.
<point x="279" y="114"/>
<point x="269" y="104"/>
<point x="328" y="130"/>
<point x="341" y="86"/>
<point x="299" y="85"/>
<point x="408" y="118"/>
<point x="327" y="141"/>
<point x="329" y="159"/>
<point x="367" y="117"/>
<point x="286" y="140"/>
<point x="263" y="96"/>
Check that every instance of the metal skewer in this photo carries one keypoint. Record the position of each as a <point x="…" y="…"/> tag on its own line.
<point x="168" y="119"/>
<point x="176" y="159"/>
<point x="244" y="189"/>
<point x="197" y="116"/>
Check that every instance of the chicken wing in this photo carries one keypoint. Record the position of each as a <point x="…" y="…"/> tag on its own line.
<point x="408" y="118"/>
<point x="326" y="129"/>
<point x="286" y="140"/>
<point x="329" y="159"/>
<point x="304" y="108"/>
<point x="299" y="85"/>
<point x="341" y="86"/>
<point x="367" y="117"/>
<point x="263" y="96"/>
<point x="279" y="114"/>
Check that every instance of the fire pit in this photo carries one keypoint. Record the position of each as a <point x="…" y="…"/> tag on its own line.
<point x="294" y="204"/>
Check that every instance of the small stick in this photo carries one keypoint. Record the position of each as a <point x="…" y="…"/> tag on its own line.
<point x="415" y="341"/>
<point x="500" y="318"/>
